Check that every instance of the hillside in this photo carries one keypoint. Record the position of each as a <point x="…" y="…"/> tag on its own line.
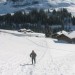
<point x="52" y="58"/>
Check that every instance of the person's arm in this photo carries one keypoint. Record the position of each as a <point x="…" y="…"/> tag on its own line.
<point x="30" y="54"/>
<point x="35" y="54"/>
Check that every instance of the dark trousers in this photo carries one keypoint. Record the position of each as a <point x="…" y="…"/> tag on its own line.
<point x="33" y="60"/>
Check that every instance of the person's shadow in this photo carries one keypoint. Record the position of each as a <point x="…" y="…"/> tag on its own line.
<point x="25" y="64"/>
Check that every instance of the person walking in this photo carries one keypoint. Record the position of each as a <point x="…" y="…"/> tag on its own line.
<point x="33" y="57"/>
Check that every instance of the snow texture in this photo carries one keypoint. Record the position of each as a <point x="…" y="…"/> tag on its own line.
<point x="71" y="34"/>
<point x="52" y="58"/>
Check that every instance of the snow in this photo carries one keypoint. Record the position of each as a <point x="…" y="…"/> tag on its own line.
<point x="52" y="58"/>
<point x="68" y="34"/>
<point x="24" y="33"/>
<point x="62" y="32"/>
<point x="72" y="34"/>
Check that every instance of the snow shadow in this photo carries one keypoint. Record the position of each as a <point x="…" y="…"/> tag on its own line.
<point x="15" y="34"/>
<point x="25" y="64"/>
<point x="61" y="41"/>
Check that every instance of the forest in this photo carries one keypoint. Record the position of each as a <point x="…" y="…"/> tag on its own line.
<point x="37" y="20"/>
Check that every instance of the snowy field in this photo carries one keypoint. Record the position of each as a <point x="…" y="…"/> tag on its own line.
<point x="52" y="58"/>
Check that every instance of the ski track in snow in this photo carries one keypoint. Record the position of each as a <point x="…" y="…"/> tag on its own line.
<point x="52" y="58"/>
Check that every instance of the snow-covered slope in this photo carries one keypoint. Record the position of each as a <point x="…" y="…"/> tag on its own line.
<point x="10" y="7"/>
<point x="52" y="58"/>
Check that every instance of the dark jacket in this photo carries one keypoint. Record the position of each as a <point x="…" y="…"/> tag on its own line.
<point x="33" y="54"/>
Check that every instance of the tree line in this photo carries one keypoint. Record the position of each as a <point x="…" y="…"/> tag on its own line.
<point x="37" y="20"/>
